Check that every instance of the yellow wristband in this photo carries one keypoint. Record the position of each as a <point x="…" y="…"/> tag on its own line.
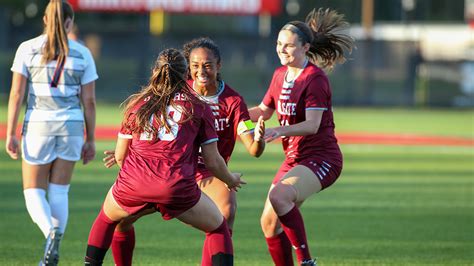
<point x="245" y="126"/>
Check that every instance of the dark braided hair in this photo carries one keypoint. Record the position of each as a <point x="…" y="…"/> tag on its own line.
<point x="203" y="42"/>
<point x="167" y="78"/>
<point x="322" y="30"/>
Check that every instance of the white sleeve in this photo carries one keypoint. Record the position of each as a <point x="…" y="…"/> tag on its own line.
<point x="19" y="64"/>
<point x="90" y="72"/>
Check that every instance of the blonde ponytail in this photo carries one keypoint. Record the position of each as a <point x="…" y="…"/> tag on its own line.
<point x="56" y="46"/>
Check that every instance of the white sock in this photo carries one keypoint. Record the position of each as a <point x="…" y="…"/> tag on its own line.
<point x="59" y="203"/>
<point x="38" y="208"/>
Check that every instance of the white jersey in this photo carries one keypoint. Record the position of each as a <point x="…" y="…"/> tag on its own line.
<point x="54" y="111"/>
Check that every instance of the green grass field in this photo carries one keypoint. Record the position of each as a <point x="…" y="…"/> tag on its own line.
<point x="393" y="205"/>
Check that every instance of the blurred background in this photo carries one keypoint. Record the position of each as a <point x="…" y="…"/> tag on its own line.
<point x="410" y="53"/>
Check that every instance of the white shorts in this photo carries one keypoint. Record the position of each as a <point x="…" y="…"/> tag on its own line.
<point x="39" y="150"/>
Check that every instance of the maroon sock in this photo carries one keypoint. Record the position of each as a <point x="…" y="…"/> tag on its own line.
<point x="279" y="247"/>
<point x="206" y="256"/>
<point x="293" y="225"/>
<point x="100" y="237"/>
<point x="123" y="244"/>
<point x="217" y="242"/>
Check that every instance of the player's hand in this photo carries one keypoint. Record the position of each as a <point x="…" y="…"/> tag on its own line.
<point x="271" y="134"/>
<point x="109" y="159"/>
<point x="12" y="146"/>
<point x="237" y="182"/>
<point x="88" y="152"/>
<point x="259" y="131"/>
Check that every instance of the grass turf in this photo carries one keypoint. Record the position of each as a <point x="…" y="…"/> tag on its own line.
<point x="391" y="206"/>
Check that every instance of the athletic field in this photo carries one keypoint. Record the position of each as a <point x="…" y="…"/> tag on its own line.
<point x="405" y="197"/>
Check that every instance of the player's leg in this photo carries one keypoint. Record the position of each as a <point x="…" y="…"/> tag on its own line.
<point x="279" y="246"/>
<point x="58" y="187"/>
<point x="123" y="242"/>
<point x="35" y="183"/>
<point x="38" y="155"/>
<point x="68" y="150"/>
<point x="296" y="185"/>
<point x="224" y="198"/>
<point x="206" y="217"/>
<point x="58" y="190"/>
<point x="102" y="231"/>
<point x="64" y="151"/>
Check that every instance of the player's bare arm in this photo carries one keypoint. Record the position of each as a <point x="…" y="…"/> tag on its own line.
<point x="17" y="94"/>
<point x="216" y="164"/>
<point x="121" y="150"/>
<point x="307" y="127"/>
<point x="260" y="110"/>
<point x="89" y="103"/>
<point x="252" y="137"/>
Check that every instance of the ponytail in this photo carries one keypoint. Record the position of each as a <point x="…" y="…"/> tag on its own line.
<point x="167" y="78"/>
<point x="56" y="46"/>
<point x="329" y="44"/>
<point x="322" y="30"/>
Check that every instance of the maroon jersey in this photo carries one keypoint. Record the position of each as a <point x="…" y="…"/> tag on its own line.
<point x="162" y="168"/>
<point x="229" y="109"/>
<point x="309" y="91"/>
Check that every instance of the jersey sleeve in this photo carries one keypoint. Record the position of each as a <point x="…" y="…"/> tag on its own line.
<point x="90" y="72"/>
<point x="317" y="95"/>
<point x="19" y="65"/>
<point x="207" y="131"/>
<point x="124" y="132"/>
<point x="269" y="98"/>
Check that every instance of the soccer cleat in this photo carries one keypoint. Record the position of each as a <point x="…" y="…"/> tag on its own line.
<point x="51" y="248"/>
<point x="308" y="263"/>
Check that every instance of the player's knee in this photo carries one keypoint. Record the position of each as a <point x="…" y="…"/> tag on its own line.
<point x="268" y="224"/>
<point x="279" y="196"/>
<point x="228" y="210"/>
<point x="124" y="225"/>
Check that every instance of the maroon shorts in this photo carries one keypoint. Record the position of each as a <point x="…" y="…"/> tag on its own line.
<point x="169" y="209"/>
<point x="327" y="173"/>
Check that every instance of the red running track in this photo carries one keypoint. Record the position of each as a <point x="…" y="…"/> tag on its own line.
<point x="110" y="133"/>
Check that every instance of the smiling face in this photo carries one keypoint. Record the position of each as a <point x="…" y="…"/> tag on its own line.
<point x="290" y="50"/>
<point x="204" y="68"/>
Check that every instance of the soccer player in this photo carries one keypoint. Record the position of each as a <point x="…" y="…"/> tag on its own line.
<point x="164" y="127"/>
<point x="58" y="76"/>
<point x="231" y="118"/>
<point x="301" y="96"/>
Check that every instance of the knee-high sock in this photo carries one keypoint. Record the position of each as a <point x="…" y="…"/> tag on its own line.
<point x="218" y="247"/>
<point x="293" y="225"/>
<point x="206" y="258"/>
<point x="123" y="244"/>
<point x="100" y="237"/>
<point x="38" y="208"/>
<point x="59" y="203"/>
<point x="279" y="247"/>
